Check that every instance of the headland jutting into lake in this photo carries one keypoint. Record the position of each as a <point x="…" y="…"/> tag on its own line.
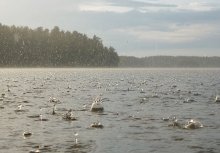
<point x="26" y="47"/>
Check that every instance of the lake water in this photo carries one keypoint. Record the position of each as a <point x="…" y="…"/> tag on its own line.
<point x="135" y="102"/>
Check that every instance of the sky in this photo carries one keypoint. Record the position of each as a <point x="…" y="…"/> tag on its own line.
<point x="133" y="27"/>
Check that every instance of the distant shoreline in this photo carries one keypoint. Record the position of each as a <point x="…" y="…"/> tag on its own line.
<point x="170" y="62"/>
<point x="18" y="67"/>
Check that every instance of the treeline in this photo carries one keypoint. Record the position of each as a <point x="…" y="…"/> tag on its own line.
<point x="169" y="61"/>
<point x="25" y="47"/>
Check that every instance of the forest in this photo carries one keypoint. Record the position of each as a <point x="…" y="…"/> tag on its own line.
<point x="169" y="61"/>
<point x="26" y="47"/>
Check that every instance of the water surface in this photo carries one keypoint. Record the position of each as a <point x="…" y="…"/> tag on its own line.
<point x="135" y="101"/>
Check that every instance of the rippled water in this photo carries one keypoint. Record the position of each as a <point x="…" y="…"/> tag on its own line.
<point x="135" y="101"/>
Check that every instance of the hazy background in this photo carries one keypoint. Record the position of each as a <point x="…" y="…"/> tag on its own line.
<point x="133" y="27"/>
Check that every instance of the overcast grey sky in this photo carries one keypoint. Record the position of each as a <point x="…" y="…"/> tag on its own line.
<point x="133" y="27"/>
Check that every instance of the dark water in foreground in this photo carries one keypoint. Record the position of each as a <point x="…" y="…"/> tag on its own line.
<point x="132" y="118"/>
